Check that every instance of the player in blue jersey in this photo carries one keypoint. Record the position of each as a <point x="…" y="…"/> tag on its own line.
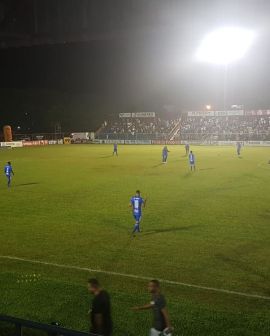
<point x="136" y="203"/>
<point x="187" y="148"/>
<point x="191" y="158"/>
<point x="238" y="148"/>
<point x="165" y="152"/>
<point x="8" y="172"/>
<point x="115" y="149"/>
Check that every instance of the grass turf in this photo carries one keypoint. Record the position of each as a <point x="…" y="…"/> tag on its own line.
<point x="69" y="205"/>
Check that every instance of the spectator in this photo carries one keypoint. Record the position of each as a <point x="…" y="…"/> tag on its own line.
<point x="230" y="128"/>
<point x="100" y="314"/>
<point x="146" y="128"/>
<point x="161" y="321"/>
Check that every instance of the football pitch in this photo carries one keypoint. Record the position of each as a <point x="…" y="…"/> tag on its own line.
<point x="206" y="234"/>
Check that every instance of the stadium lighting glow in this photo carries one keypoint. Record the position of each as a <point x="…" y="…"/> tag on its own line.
<point x="208" y="107"/>
<point x="225" y="45"/>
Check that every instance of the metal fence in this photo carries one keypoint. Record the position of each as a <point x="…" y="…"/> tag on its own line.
<point x="51" y="330"/>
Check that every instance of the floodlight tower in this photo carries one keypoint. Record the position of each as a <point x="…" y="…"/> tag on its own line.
<point x="223" y="47"/>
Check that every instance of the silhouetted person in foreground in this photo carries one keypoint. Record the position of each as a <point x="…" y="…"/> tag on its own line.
<point x="100" y="313"/>
<point x="161" y="322"/>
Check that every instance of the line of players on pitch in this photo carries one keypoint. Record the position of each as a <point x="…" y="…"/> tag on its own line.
<point x="165" y="151"/>
<point x="189" y="153"/>
<point x="8" y="170"/>
<point x="137" y="202"/>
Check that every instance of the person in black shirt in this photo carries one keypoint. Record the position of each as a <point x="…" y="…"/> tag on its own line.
<point x="101" y="321"/>
<point x="161" y="322"/>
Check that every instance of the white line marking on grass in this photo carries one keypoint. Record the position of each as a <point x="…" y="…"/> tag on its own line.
<point x="133" y="276"/>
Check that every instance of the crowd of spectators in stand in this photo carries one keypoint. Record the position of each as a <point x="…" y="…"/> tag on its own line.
<point x="223" y="128"/>
<point x="226" y="128"/>
<point x="132" y="127"/>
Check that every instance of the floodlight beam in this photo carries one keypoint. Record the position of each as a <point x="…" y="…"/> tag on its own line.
<point x="225" y="45"/>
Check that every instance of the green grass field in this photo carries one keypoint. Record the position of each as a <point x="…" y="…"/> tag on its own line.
<point x="69" y="205"/>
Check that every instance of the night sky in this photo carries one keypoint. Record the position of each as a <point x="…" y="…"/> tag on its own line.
<point x="85" y="61"/>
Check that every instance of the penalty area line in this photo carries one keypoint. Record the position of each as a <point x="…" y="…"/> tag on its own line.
<point x="133" y="276"/>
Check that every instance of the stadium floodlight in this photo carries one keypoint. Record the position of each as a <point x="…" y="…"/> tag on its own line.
<point x="208" y="107"/>
<point x="225" y="45"/>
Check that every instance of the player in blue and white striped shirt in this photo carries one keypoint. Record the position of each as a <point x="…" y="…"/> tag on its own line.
<point x="238" y="148"/>
<point x="191" y="158"/>
<point x="165" y="152"/>
<point x="115" y="149"/>
<point x="137" y="202"/>
<point x="8" y="172"/>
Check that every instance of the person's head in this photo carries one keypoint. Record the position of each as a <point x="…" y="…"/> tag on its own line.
<point x="9" y="163"/>
<point x="153" y="286"/>
<point x="93" y="286"/>
<point x="191" y="152"/>
<point x="138" y="193"/>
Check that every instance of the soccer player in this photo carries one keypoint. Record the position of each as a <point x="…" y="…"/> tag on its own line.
<point x="161" y="321"/>
<point x="137" y="202"/>
<point x="8" y="172"/>
<point x="165" y="152"/>
<point x="191" y="158"/>
<point x="238" y="148"/>
<point x="115" y="149"/>
<point x="187" y="148"/>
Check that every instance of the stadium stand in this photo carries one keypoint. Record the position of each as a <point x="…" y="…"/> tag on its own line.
<point x="225" y="128"/>
<point x="244" y="127"/>
<point x="137" y="128"/>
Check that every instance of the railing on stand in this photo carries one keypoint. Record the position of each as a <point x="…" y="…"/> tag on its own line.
<point x="51" y="330"/>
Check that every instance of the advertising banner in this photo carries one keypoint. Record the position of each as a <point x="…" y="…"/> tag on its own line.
<point x="215" y="113"/>
<point x="124" y="142"/>
<point x="178" y="142"/>
<point x="138" y="142"/>
<point x="227" y="143"/>
<point x="55" y="142"/>
<point x="11" y="144"/>
<point x="257" y="143"/>
<point x="112" y="141"/>
<point x="125" y="115"/>
<point x="144" y="115"/>
<point x="258" y="112"/>
<point x="35" y="143"/>
<point x="138" y="115"/>
<point x="166" y="142"/>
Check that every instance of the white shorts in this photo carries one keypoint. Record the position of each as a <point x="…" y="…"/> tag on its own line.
<point x="154" y="332"/>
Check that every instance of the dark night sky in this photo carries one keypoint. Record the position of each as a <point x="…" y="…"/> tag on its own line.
<point x="147" y="64"/>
